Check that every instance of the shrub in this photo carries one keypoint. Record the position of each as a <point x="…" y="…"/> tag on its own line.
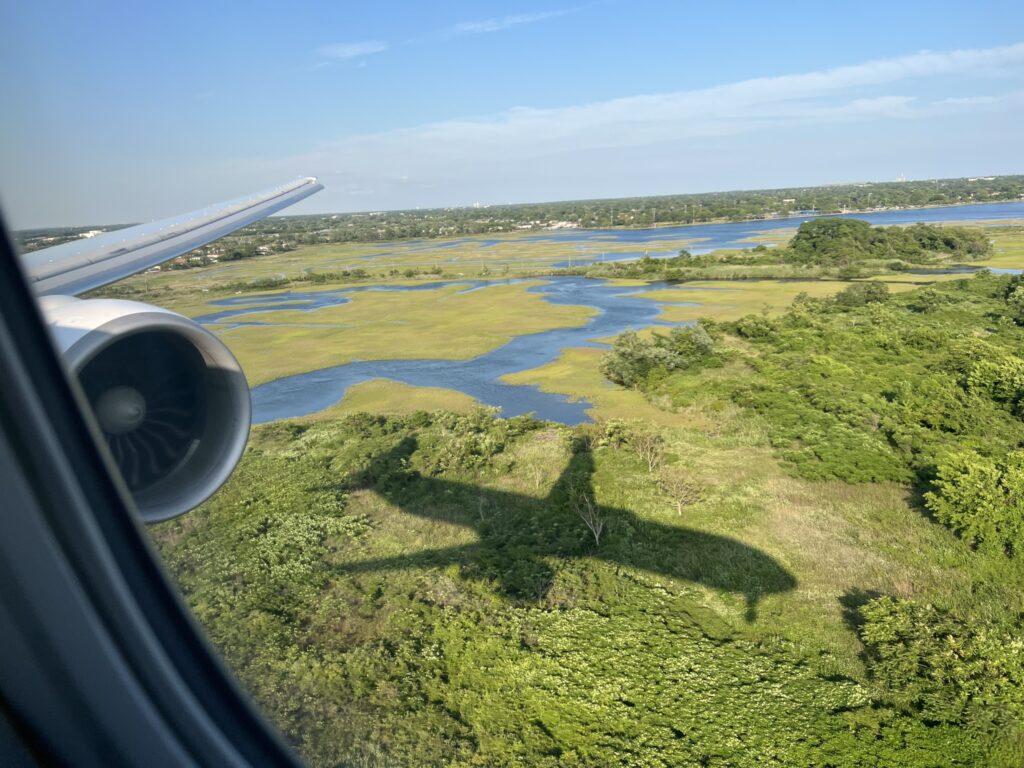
<point x="633" y="361"/>
<point x="982" y="499"/>
<point x="944" y="667"/>
<point x="859" y="294"/>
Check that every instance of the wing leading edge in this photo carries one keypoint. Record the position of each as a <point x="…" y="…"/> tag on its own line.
<point x="82" y="265"/>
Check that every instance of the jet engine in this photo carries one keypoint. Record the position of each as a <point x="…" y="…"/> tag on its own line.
<point x="170" y="399"/>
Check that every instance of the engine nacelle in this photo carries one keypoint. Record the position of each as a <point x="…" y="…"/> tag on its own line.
<point x="171" y="400"/>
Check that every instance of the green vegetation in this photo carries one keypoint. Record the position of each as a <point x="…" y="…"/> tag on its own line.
<point x="841" y="242"/>
<point x="633" y="360"/>
<point x="924" y="388"/>
<point x="791" y="539"/>
<point x="396" y="399"/>
<point x="944" y="669"/>
<point x="864" y="386"/>
<point x="982" y="499"/>
<point x="844" y="248"/>
<point x="381" y="325"/>
<point x="427" y="590"/>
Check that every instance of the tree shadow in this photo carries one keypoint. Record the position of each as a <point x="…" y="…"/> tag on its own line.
<point x="517" y="533"/>
<point x="851" y="602"/>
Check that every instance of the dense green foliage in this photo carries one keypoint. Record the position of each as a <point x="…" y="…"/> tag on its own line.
<point x="633" y="361"/>
<point x="949" y="670"/>
<point x="525" y="643"/>
<point x="982" y="498"/>
<point x="841" y="242"/>
<point x="866" y="387"/>
<point x="1014" y="296"/>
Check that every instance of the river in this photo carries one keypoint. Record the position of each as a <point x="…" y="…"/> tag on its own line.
<point x="619" y="309"/>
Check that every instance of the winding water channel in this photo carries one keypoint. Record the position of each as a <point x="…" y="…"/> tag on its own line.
<point x="619" y="309"/>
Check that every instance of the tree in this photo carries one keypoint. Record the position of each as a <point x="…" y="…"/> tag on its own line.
<point x="588" y="512"/>
<point x="676" y="484"/>
<point x="1015" y="302"/>
<point x="947" y="668"/>
<point x="632" y="360"/>
<point x="648" y="446"/>
<point x="981" y="499"/>
<point x="859" y="294"/>
<point x="627" y="363"/>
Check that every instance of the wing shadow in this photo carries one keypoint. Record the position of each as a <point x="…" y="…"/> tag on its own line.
<point x="517" y="533"/>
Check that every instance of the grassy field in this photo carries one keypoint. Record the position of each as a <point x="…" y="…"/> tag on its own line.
<point x="1008" y="246"/>
<point x="725" y="300"/>
<point x="445" y="323"/>
<point x="394" y="398"/>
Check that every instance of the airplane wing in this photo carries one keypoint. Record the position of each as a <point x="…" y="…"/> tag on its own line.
<point x="82" y="265"/>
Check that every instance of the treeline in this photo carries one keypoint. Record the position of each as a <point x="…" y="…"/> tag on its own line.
<point x="840" y="242"/>
<point x="280" y="234"/>
<point x="638" y="211"/>
<point x="285" y="232"/>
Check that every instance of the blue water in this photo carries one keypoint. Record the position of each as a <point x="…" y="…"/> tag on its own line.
<point x="704" y="238"/>
<point x="619" y="309"/>
<point x="712" y="237"/>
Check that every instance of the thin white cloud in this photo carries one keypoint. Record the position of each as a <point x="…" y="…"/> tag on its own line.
<point x="504" y="22"/>
<point x="352" y="50"/>
<point x="525" y="141"/>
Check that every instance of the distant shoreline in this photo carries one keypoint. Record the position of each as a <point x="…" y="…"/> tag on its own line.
<point x="801" y="217"/>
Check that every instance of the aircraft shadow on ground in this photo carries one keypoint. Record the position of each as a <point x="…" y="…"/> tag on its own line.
<point x="517" y="533"/>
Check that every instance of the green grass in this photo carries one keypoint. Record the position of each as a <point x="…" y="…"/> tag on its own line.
<point x="446" y="323"/>
<point x="1008" y="247"/>
<point x="575" y="373"/>
<point x="731" y="300"/>
<point x="396" y="399"/>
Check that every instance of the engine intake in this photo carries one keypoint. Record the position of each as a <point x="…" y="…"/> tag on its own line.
<point x="170" y="399"/>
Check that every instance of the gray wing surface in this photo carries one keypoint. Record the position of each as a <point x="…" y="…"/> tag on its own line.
<point x="82" y="265"/>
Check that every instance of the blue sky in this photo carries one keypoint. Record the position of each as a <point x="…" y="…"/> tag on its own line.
<point x="118" y="111"/>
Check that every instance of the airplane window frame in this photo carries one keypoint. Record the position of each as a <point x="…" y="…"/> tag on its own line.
<point x="104" y="663"/>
